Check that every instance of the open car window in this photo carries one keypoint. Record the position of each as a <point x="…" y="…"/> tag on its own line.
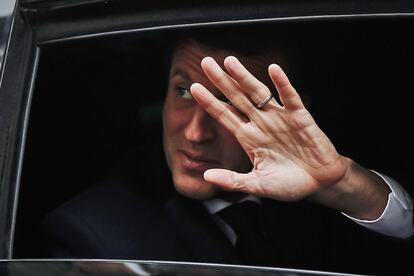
<point x="98" y="99"/>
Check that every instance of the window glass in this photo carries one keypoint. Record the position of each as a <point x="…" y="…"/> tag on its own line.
<point x="99" y="100"/>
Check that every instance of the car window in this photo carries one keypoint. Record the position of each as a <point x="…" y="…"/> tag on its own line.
<point x="98" y="99"/>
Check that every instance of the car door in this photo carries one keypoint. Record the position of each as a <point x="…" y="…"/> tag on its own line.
<point x="18" y="57"/>
<point x="28" y="27"/>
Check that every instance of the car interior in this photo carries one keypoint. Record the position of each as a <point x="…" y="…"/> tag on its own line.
<point x="97" y="97"/>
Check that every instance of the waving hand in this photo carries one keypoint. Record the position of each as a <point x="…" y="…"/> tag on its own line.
<point x="292" y="158"/>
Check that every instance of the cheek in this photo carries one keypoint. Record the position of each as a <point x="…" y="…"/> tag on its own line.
<point x="173" y="120"/>
<point x="171" y="126"/>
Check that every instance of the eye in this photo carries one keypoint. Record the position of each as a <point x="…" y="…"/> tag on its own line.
<point x="184" y="92"/>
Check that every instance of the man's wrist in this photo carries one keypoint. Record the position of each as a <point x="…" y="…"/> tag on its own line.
<point x="397" y="217"/>
<point x="360" y="193"/>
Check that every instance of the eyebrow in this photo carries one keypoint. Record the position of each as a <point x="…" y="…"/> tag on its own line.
<point x="180" y="72"/>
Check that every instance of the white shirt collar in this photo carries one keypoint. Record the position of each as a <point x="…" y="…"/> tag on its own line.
<point x="216" y="204"/>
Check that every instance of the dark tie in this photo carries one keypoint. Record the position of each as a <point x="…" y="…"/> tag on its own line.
<point x="251" y="243"/>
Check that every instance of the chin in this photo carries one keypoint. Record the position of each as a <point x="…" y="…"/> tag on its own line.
<point x="195" y="188"/>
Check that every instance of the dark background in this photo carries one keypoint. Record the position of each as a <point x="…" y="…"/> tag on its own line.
<point x="97" y="98"/>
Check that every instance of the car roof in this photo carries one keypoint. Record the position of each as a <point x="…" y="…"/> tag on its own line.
<point x="50" y="17"/>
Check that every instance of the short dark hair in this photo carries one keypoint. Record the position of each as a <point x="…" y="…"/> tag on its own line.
<point x="245" y="40"/>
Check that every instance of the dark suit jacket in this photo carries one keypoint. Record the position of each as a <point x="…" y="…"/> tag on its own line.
<point x="124" y="218"/>
<point x="112" y="220"/>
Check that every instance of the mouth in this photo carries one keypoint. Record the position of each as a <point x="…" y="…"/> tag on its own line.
<point x="197" y="161"/>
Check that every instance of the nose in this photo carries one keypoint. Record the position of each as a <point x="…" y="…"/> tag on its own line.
<point x="201" y="127"/>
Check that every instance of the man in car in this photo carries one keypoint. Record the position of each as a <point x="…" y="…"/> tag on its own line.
<point x="228" y="143"/>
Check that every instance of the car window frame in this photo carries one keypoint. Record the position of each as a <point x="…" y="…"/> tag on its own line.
<point x="17" y="71"/>
<point x="21" y="57"/>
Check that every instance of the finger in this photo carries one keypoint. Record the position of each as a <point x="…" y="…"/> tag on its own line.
<point x="230" y="180"/>
<point x="287" y="93"/>
<point x="254" y="88"/>
<point x="227" y="85"/>
<point x="222" y="112"/>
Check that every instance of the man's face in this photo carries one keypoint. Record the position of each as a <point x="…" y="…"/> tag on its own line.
<point x="193" y="140"/>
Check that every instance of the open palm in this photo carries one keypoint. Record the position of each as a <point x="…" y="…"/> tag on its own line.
<point x="292" y="158"/>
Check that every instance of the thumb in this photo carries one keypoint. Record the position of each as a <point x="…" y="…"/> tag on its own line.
<point x="229" y="180"/>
